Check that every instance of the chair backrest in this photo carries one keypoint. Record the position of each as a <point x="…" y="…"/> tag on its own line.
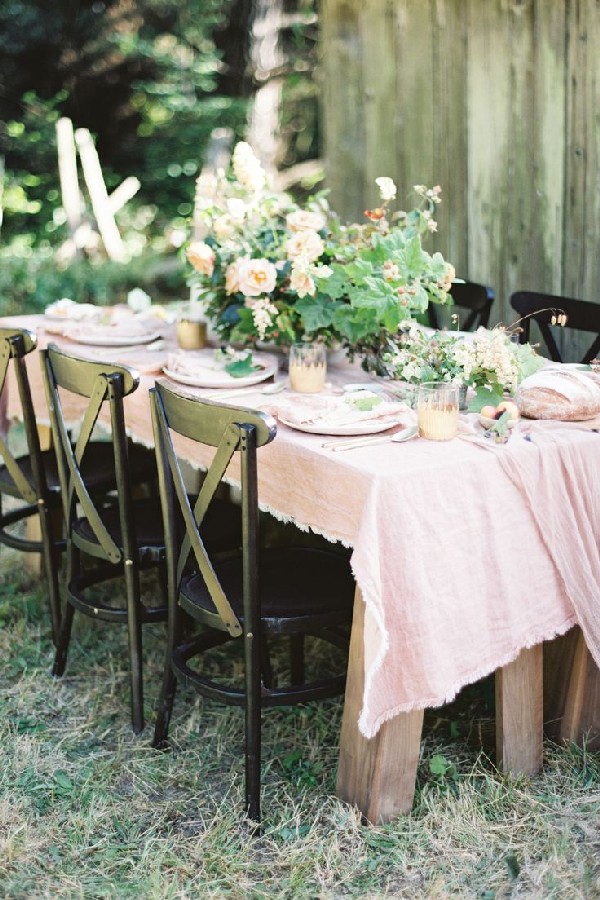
<point x="581" y="316"/>
<point x="230" y="430"/>
<point x="15" y="344"/>
<point x="477" y="298"/>
<point x="102" y="384"/>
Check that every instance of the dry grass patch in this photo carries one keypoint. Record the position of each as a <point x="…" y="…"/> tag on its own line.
<point x="89" y="810"/>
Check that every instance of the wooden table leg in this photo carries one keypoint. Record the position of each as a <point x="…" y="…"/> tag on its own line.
<point x="572" y="690"/>
<point x="519" y="713"/>
<point x="377" y="775"/>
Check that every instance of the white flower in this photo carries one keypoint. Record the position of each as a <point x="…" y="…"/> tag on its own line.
<point x="391" y="272"/>
<point x="223" y="228"/>
<point x="237" y="209"/>
<point x="387" y="188"/>
<point x="138" y="300"/>
<point x="302" y="282"/>
<point x="305" y="220"/>
<point x="304" y="245"/>
<point x="247" y="169"/>
<point x="322" y="271"/>
<point x="256" y="277"/>
<point x="263" y="313"/>
<point x="202" y="257"/>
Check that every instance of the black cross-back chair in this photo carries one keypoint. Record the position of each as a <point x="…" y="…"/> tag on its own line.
<point x="121" y="538"/>
<point x="251" y="597"/>
<point x="582" y="315"/>
<point x="32" y="477"/>
<point x="477" y="298"/>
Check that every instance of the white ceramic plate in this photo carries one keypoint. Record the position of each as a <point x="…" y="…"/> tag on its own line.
<point x="350" y="428"/>
<point x="113" y="340"/>
<point x="216" y="377"/>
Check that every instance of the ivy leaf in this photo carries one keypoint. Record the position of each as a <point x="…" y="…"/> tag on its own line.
<point x="483" y="397"/>
<point x="316" y="312"/>
<point x="242" y="367"/>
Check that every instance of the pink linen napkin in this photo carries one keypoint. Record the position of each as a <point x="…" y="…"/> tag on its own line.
<point x="320" y="410"/>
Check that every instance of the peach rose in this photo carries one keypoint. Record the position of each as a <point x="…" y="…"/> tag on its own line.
<point x="232" y="281"/>
<point x="202" y="257"/>
<point x="306" y="245"/>
<point x="256" y="277"/>
<point x="305" y="220"/>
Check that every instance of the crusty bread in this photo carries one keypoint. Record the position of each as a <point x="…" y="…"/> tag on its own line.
<point x="565" y="394"/>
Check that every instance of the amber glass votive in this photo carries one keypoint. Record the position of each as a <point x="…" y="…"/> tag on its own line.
<point x="191" y="334"/>
<point x="307" y="367"/>
<point x="437" y="410"/>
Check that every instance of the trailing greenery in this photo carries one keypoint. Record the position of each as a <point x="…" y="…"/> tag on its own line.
<point x="89" y="810"/>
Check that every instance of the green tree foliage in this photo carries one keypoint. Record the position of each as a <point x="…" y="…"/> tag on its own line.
<point x="141" y="75"/>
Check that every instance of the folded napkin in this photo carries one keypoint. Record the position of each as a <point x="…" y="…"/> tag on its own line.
<point x="318" y="409"/>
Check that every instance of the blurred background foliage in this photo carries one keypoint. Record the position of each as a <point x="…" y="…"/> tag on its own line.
<point x="150" y="79"/>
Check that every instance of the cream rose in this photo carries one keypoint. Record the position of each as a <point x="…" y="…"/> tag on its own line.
<point x="305" y="220"/>
<point x="256" y="276"/>
<point x="302" y="283"/>
<point x="201" y="257"/>
<point x="306" y="245"/>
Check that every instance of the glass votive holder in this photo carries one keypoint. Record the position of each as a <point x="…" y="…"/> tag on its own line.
<point x="437" y="410"/>
<point x="191" y="334"/>
<point x="307" y="367"/>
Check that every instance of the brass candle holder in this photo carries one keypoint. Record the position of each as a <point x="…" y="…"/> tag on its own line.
<point x="191" y="334"/>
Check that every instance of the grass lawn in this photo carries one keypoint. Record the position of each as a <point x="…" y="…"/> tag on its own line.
<point x="89" y="810"/>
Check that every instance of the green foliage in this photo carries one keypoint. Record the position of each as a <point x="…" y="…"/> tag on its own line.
<point x="143" y="77"/>
<point x="30" y="279"/>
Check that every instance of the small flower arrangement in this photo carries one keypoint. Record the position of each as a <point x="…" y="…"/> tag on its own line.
<point x="493" y="364"/>
<point x="488" y="361"/>
<point x="417" y="356"/>
<point x="267" y="269"/>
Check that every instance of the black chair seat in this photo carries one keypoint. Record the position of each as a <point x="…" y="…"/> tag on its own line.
<point x="147" y="520"/>
<point x="295" y="582"/>
<point x="221" y="525"/>
<point x="97" y="468"/>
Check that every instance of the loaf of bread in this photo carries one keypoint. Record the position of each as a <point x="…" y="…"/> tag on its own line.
<point x="564" y="394"/>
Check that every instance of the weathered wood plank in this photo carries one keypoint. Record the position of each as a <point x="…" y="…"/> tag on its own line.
<point x="497" y="101"/>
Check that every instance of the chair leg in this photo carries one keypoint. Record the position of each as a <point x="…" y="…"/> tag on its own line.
<point x="179" y="623"/>
<point x="134" y="629"/>
<point x="297" y="659"/>
<point x="51" y="565"/>
<point x="253" y="714"/>
<point x="63" y="641"/>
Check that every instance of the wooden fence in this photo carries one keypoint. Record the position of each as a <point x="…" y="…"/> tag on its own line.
<point x="496" y="100"/>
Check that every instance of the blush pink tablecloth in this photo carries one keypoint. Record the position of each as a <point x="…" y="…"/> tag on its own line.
<point x="465" y="553"/>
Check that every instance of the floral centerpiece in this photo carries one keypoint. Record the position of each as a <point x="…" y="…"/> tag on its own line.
<point x="489" y="361"/>
<point x="268" y="269"/>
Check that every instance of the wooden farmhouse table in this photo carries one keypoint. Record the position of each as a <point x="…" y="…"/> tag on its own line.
<point x="467" y="557"/>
